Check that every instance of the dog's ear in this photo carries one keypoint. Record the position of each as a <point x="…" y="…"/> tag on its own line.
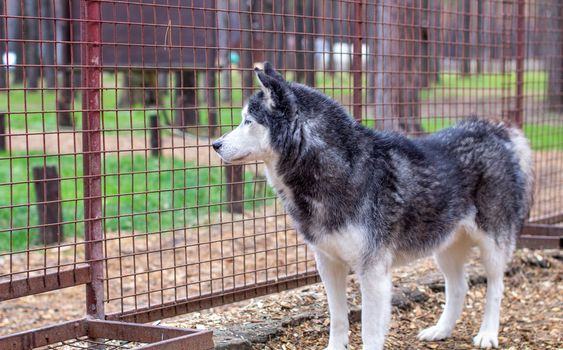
<point x="269" y="70"/>
<point x="276" y="91"/>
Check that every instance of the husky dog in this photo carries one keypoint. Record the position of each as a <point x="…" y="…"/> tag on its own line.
<point x="367" y="201"/>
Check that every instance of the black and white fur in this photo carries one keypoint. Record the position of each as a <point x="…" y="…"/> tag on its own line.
<point x="367" y="201"/>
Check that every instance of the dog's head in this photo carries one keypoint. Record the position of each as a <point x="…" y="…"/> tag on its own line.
<point x="268" y="110"/>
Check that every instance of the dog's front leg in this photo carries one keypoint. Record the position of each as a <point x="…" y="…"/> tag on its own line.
<point x="333" y="274"/>
<point x="376" y="287"/>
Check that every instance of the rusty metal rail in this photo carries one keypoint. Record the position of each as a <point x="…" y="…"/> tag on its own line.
<point x="86" y="333"/>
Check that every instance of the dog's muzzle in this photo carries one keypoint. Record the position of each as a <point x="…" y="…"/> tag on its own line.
<point x="217" y="145"/>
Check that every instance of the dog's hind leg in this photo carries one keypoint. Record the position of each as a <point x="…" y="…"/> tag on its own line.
<point x="451" y="260"/>
<point x="494" y="259"/>
<point x="333" y="274"/>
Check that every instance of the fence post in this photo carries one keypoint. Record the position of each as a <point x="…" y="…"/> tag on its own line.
<point x="357" y="61"/>
<point x="520" y="51"/>
<point x="93" y="234"/>
<point x="235" y="188"/>
<point x="47" y="189"/>
<point x="155" y="135"/>
<point x="2" y="132"/>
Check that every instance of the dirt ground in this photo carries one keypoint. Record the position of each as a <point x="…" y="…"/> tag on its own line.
<point x="532" y="310"/>
<point x="531" y="318"/>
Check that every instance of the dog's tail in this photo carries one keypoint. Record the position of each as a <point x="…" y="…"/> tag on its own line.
<point x="525" y="157"/>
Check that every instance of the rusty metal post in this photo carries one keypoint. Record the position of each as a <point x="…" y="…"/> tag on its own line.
<point x="520" y="51"/>
<point x="357" y="60"/>
<point x="93" y="234"/>
<point x="49" y="208"/>
<point x="3" y="132"/>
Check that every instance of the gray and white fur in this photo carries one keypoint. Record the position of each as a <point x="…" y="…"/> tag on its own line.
<point x="367" y="201"/>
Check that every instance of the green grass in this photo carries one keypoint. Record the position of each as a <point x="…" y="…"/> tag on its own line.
<point x="489" y="85"/>
<point x="35" y="110"/>
<point x="542" y="136"/>
<point x="146" y="201"/>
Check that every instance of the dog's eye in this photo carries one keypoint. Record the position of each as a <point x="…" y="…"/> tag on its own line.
<point x="247" y="122"/>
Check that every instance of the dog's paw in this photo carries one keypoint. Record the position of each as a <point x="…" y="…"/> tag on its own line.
<point x="434" y="333"/>
<point x="486" y="340"/>
<point x="330" y="347"/>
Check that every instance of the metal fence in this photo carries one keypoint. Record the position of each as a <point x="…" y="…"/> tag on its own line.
<point x="108" y="109"/>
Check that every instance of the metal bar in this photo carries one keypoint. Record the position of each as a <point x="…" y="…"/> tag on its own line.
<point x="179" y="307"/>
<point x="550" y="219"/>
<point x="92" y="156"/>
<point x="134" y="332"/>
<point x="357" y="60"/>
<point x="161" y="338"/>
<point x="543" y="230"/>
<point x="202" y="340"/>
<point x="540" y="242"/>
<point x="520" y="52"/>
<point x="39" y="284"/>
<point x="44" y="336"/>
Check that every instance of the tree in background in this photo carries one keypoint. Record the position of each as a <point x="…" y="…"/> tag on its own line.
<point x="47" y="45"/>
<point x="465" y="11"/>
<point x="430" y="46"/>
<point x="3" y="50"/>
<point x="398" y="65"/>
<point x="31" y="48"/>
<point x="553" y="52"/>
<point x="14" y="9"/>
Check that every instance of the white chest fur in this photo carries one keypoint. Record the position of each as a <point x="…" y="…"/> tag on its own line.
<point x="348" y="244"/>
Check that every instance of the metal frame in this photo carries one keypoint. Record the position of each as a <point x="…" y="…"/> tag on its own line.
<point x="97" y="332"/>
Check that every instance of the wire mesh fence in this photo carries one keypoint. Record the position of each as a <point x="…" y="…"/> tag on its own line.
<point x="108" y="109"/>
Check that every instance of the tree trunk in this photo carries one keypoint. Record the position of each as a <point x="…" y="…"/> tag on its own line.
<point x="398" y="66"/>
<point x="246" y="52"/>
<point x="186" y="99"/>
<point x="553" y="50"/>
<point x="267" y="23"/>
<point x="64" y="95"/>
<point x="466" y="43"/>
<point x="425" y="51"/>
<point x="299" y="38"/>
<point x="480" y="37"/>
<point x="31" y="35"/>
<point x="210" y="84"/>
<point x="371" y="42"/>
<point x="3" y="47"/>
<point x="280" y="37"/>
<point x="335" y="31"/>
<point x="234" y="173"/>
<point x="310" y="30"/>
<point x="435" y="37"/>
<point x="47" y="45"/>
<point x="15" y="33"/>
<point x="223" y="52"/>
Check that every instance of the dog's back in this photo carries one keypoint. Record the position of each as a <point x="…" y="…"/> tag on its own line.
<point x="494" y="162"/>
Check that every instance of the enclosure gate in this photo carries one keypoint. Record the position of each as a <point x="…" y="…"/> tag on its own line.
<point x="130" y="200"/>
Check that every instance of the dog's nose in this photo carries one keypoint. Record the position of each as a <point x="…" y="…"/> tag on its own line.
<point x="217" y="144"/>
